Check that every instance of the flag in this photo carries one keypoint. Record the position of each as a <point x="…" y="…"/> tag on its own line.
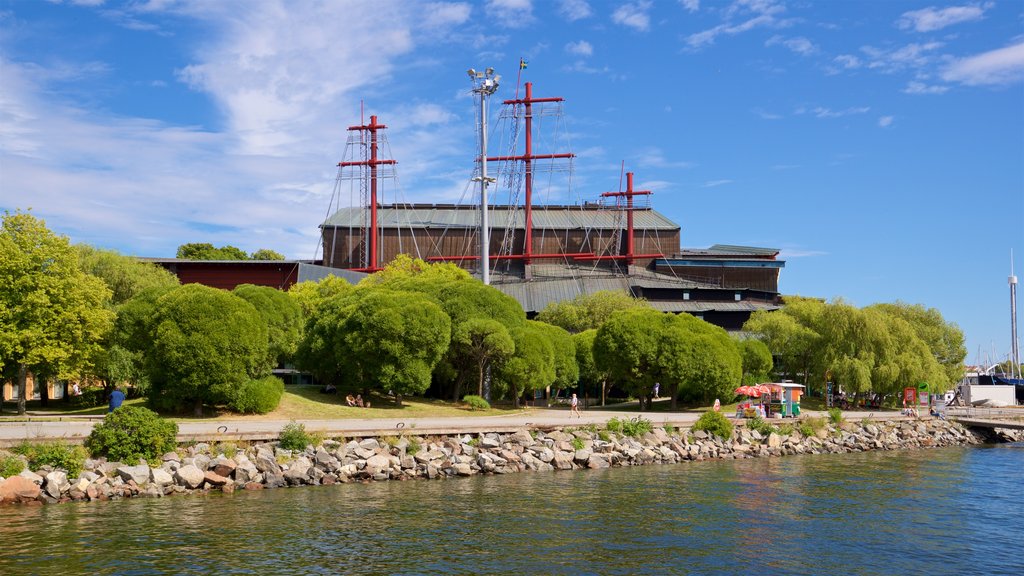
<point x="522" y="63"/>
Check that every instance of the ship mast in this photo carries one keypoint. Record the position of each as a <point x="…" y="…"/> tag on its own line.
<point x="1014" y="346"/>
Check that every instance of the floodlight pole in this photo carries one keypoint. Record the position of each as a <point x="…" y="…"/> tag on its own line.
<point x="484" y="83"/>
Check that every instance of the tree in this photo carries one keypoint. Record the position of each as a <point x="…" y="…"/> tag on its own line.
<point x="567" y="371"/>
<point x="532" y="365"/>
<point x="283" y="318"/>
<point x="53" y="316"/>
<point x="206" y="251"/>
<point x="267" y="254"/>
<point x="944" y="339"/>
<point x="481" y="341"/>
<point x="125" y="276"/>
<point x="310" y="294"/>
<point x="587" y="311"/>
<point x="206" y="344"/>
<point x="757" y="361"/>
<point x="791" y="336"/>
<point x="626" y="348"/>
<point x="590" y="375"/>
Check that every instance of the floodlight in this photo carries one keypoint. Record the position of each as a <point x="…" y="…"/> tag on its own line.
<point x="471" y="72"/>
<point x="490" y="70"/>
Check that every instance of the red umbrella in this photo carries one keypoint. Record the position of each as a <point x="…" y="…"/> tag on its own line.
<point x="754" y="391"/>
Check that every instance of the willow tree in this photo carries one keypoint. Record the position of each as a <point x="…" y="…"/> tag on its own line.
<point x="588" y="311"/>
<point x="531" y="366"/>
<point x="757" y="360"/>
<point x="481" y="342"/>
<point x="945" y="340"/>
<point x="53" y="316"/>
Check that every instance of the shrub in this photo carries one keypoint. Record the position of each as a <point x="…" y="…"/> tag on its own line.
<point x="577" y="443"/>
<point x="714" y="423"/>
<point x="295" y="437"/>
<point x="835" y="415"/>
<point x="669" y="429"/>
<point x="785" y="429"/>
<point x="604" y="436"/>
<point x="11" y="466"/>
<point x="258" y="396"/>
<point x="130" y="433"/>
<point x="413" y="447"/>
<point x="614" y="425"/>
<point x="53" y="454"/>
<point x="806" y="429"/>
<point x="476" y="402"/>
<point x="761" y="425"/>
<point x="636" y="427"/>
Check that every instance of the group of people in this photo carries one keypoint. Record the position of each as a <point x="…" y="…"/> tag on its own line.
<point x="356" y="401"/>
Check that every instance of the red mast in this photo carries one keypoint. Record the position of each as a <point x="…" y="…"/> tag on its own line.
<point x="372" y="162"/>
<point x="629" y="256"/>
<point x="527" y="159"/>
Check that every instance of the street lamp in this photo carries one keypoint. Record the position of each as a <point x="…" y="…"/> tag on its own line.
<point x="484" y="83"/>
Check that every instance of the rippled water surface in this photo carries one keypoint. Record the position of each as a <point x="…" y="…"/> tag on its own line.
<point x="945" y="511"/>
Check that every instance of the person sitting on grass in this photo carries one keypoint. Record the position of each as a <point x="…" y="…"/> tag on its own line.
<point x="359" y="400"/>
<point x="350" y="400"/>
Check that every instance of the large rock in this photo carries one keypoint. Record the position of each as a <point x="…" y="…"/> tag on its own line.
<point x="378" y="463"/>
<point x="246" y="472"/>
<point x="266" y="463"/>
<point x="369" y="444"/>
<point x="140" y="473"/>
<point x="31" y="477"/>
<point x="274" y="480"/>
<point x="189" y="476"/>
<point x="56" y="482"/>
<point x="18" y="489"/>
<point x="160" y="477"/>
<point x="214" y="479"/>
<point x="224" y="467"/>
<point x="522" y="437"/>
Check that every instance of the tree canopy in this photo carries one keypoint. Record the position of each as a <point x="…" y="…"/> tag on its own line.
<point x="283" y="318"/>
<point x="125" y="276"/>
<point x="53" y="316"/>
<point x="207" y="251"/>
<point x="588" y="311"/>
<point x="531" y="366"/>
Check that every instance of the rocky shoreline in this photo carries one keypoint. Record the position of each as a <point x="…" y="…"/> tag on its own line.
<point x="228" y="467"/>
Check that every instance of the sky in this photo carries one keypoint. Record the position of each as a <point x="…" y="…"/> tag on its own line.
<point x="878" y="145"/>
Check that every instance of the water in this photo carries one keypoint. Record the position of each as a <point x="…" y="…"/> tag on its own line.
<point x="944" y="511"/>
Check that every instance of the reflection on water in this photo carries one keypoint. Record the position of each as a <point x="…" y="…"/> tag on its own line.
<point x="947" y="511"/>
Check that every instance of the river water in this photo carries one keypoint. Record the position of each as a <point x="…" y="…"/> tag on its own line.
<point x="941" y="511"/>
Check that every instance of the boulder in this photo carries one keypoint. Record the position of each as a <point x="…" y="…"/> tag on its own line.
<point x="246" y="472"/>
<point x="189" y="476"/>
<point x="267" y="463"/>
<point x="462" y="469"/>
<point x="18" y="489"/>
<point x="171" y="457"/>
<point x="562" y="461"/>
<point x="140" y="473"/>
<point x="160" y="477"/>
<point x="55" y="483"/>
<point x="214" y="479"/>
<point x="369" y="444"/>
<point x="597" y="461"/>
<point x="274" y="480"/>
<point x="489" y="441"/>
<point x="31" y="477"/>
<point x="224" y="467"/>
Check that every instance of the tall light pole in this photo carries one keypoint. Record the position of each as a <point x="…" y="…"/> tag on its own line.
<point x="484" y="83"/>
<point x="1014" y="346"/>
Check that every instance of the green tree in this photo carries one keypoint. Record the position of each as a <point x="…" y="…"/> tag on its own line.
<point x="206" y="251"/>
<point x="532" y="365"/>
<point x="206" y="344"/>
<point x="944" y="339"/>
<point x="266" y="254"/>
<point x="698" y="358"/>
<point x="567" y="371"/>
<point x="588" y="311"/>
<point x="757" y="361"/>
<point x="125" y="276"/>
<point x="53" y="316"/>
<point x="310" y="294"/>
<point x="590" y="376"/>
<point x="283" y="318"/>
<point x="481" y="341"/>
<point x="626" y="348"/>
<point x="378" y="338"/>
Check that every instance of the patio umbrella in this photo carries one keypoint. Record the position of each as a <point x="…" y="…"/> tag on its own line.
<point x="754" y="390"/>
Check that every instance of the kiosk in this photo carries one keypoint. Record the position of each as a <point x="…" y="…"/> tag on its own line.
<point x="788" y="403"/>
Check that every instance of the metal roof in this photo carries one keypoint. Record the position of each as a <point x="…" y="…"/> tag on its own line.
<point x="573" y="217"/>
<point x="697" y="306"/>
<point x="730" y="250"/>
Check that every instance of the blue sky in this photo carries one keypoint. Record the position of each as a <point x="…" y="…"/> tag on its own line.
<point x="880" y="145"/>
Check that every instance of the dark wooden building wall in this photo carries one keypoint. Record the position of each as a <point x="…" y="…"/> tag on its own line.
<point x="766" y="279"/>
<point x="228" y="275"/>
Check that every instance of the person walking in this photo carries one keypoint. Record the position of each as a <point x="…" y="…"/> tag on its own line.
<point x="116" y="399"/>
<point x="574" y="407"/>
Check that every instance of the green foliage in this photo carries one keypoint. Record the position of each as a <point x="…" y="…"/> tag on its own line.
<point x="413" y="447"/>
<point x="785" y="429"/>
<point x="604" y="436"/>
<point x="588" y="311"/>
<point x="614" y="425"/>
<point x="310" y="295"/>
<point x="53" y="316"/>
<point x="206" y="251"/>
<point x="714" y="423"/>
<point x="669" y="429"/>
<point x="808" y="426"/>
<point x="476" y="402"/>
<point x="532" y="365"/>
<point x="266" y="254"/>
<point x="125" y="276"/>
<point x="294" y="436"/>
<point x="56" y="455"/>
<point x="377" y="338"/>
<point x="130" y="433"/>
<point x="806" y="429"/>
<point x="945" y="340"/>
<point x="636" y="427"/>
<point x="757" y="361"/>
<point x="206" y="344"/>
<point x="761" y="425"/>
<point x="567" y="372"/>
<point x="577" y="443"/>
<point x="11" y="466"/>
<point x="404" y="267"/>
<point x="835" y="415"/>
<point x="258" y="396"/>
<point x="283" y="318"/>
<point x="481" y="342"/>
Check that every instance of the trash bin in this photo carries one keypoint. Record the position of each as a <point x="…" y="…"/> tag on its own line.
<point x="796" y="409"/>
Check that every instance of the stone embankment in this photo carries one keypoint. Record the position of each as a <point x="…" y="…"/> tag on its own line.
<point x="202" y="467"/>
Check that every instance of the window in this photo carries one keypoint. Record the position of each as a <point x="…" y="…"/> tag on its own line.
<point x="686" y="295"/>
<point x="739" y="296"/>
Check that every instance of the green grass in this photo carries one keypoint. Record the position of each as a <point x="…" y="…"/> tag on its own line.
<point x="62" y="408"/>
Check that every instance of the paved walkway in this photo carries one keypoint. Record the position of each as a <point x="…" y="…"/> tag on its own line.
<point x="76" y="429"/>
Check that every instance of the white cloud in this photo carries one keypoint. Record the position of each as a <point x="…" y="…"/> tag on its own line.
<point x="885" y="121"/>
<point x="799" y="44"/>
<point x="913" y="56"/>
<point x="1001" y="66"/>
<point x="915" y="87"/>
<point x="755" y="14"/>
<point x="654" y="157"/>
<point x="510" y="13"/>
<point x="573" y="10"/>
<point x="633" y="14"/>
<point x="716" y="183"/>
<point x="444" y="14"/>
<point x="690" y="5"/>
<point x="931" y="19"/>
<point x="847" y="61"/>
<point x="581" y="48"/>
<point x="823" y="112"/>
<point x="766" y="115"/>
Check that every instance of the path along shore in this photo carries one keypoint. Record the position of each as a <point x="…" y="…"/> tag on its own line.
<point x="407" y="453"/>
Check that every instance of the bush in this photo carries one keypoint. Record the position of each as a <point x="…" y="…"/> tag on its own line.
<point x="715" y="423"/>
<point x="636" y="427"/>
<point x="295" y="437"/>
<point x="604" y="436"/>
<point x="577" y="443"/>
<point x="89" y="398"/>
<point x="258" y="396"/>
<point x="11" y="466"/>
<point x="761" y="425"/>
<point x="835" y="415"/>
<point x="413" y="447"/>
<point x="53" y="454"/>
<point x="130" y="433"/>
<point x="614" y="425"/>
<point x="476" y="402"/>
<point x="785" y="429"/>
